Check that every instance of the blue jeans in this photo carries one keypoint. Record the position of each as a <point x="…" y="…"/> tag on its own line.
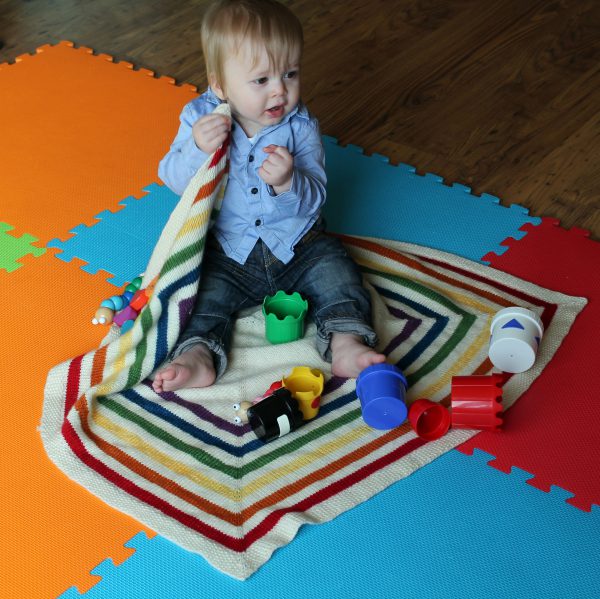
<point x="321" y="271"/>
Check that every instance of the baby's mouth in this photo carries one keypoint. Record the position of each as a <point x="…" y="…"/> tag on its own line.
<point x="276" y="111"/>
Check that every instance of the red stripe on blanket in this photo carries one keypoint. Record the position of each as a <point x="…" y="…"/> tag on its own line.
<point x="333" y="489"/>
<point x="236" y="519"/>
<point x="72" y="389"/>
<point x="78" y="448"/>
<point x="548" y="309"/>
<point x="235" y="544"/>
<point x="323" y="473"/>
<point x="416" y="265"/>
<point x="221" y="151"/>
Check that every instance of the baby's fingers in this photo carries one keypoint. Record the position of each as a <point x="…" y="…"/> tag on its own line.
<point x="275" y="150"/>
<point x="214" y="126"/>
<point x="215" y="118"/>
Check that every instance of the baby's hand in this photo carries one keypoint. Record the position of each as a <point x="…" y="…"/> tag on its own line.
<point x="278" y="168"/>
<point x="210" y="131"/>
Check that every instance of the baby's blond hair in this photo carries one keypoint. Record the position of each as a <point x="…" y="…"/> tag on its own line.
<point x="264" y="23"/>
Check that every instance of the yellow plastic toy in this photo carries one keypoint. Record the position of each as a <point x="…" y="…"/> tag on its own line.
<point x="306" y="385"/>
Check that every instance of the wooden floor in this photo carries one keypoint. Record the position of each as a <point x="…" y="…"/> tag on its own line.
<point x="501" y="95"/>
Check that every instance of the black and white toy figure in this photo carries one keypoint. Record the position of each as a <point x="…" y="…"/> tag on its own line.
<point x="271" y="417"/>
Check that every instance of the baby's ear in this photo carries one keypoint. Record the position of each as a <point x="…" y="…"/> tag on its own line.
<point x="216" y="87"/>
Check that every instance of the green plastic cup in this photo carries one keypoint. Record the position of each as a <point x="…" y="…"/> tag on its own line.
<point x="284" y="316"/>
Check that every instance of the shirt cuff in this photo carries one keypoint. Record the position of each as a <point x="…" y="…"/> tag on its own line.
<point x="290" y="194"/>
<point x="193" y="155"/>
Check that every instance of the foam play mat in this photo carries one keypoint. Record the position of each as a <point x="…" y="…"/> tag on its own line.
<point x="561" y="417"/>
<point x="176" y="462"/>
<point x="83" y="220"/>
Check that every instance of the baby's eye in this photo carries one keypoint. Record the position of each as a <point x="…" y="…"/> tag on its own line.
<point x="261" y="80"/>
<point x="290" y="75"/>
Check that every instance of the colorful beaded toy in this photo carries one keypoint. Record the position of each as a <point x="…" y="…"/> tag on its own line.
<point x="123" y="309"/>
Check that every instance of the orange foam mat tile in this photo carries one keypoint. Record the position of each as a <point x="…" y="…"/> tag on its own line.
<point x="103" y="127"/>
<point x="53" y="531"/>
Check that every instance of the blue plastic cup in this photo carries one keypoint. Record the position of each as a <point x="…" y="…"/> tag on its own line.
<point x="381" y="389"/>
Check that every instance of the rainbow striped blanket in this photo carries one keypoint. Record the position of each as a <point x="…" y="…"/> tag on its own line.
<point x="179" y="463"/>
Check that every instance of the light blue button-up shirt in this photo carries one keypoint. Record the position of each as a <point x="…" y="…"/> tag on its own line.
<point x="250" y="209"/>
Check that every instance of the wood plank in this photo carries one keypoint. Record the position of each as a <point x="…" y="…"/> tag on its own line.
<point x="502" y="96"/>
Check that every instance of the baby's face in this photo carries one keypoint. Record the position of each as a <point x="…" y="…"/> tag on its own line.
<point x="259" y="95"/>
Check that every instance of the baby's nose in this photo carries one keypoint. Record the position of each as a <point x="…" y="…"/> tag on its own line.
<point x="279" y="87"/>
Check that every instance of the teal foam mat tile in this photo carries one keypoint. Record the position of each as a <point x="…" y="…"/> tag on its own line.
<point x="121" y="242"/>
<point x="457" y="528"/>
<point x="368" y="196"/>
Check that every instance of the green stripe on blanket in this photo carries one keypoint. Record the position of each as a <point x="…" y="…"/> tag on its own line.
<point x="179" y="464"/>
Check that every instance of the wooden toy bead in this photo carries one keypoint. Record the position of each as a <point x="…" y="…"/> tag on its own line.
<point x="103" y="316"/>
<point x="139" y="300"/>
<point x="127" y="313"/>
<point x="241" y="412"/>
<point x="118" y="301"/>
<point x="108" y="303"/>
<point x="106" y="312"/>
<point x="128" y="324"/>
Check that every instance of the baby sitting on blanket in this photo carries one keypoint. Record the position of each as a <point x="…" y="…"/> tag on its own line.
<point x="269" y="234"/>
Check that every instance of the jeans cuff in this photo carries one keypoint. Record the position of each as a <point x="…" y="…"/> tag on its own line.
<point x="218" y="353"/>
<point x="347" y="326"/>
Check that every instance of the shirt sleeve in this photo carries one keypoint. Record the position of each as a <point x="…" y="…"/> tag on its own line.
<point x="309" y="180"/>
<point x="184" y="158"/>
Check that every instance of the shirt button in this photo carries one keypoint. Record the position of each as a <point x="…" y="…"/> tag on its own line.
<point x="251" y="158"/>
<point x="254" y="190"/>
<point x="257" y="222"/>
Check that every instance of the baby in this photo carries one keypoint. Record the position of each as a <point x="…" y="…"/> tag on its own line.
<point x="269" y="234"/>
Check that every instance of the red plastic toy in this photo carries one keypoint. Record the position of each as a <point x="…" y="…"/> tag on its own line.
<point x="430" y="420"/>
<point x="476" y="402"/>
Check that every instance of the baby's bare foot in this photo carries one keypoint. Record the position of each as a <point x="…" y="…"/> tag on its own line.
<point x="191" y="369"/>
<point x="350" y="355"/>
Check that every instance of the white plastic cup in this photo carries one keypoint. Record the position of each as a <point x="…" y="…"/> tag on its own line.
<point x="516" y="334"/>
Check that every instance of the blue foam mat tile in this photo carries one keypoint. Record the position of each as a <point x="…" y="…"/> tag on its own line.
<point x="457" y="528"/>
<point x="368" y="196"/>
<point x="121" y="242"/>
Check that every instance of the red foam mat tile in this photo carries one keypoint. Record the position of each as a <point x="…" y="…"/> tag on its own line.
<point x="553" y="431"/>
